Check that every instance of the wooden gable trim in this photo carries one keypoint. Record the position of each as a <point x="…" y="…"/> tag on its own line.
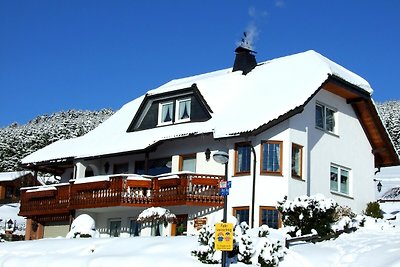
<point x="382" y="146"/>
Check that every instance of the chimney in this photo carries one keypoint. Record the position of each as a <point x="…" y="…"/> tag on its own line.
<point x="245" y="60"/>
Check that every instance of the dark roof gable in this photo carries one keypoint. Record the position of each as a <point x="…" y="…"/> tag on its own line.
<point x="146" y="116"/>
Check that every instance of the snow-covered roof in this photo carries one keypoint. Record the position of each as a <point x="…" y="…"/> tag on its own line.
<point x="11" y="176"/>
<point x="271" y="89"/>
<point x="392" y="194"/>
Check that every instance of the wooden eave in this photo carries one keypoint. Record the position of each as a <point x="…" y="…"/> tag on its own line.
<point x="382" y="146"/>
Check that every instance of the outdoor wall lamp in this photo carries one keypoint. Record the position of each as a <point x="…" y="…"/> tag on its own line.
<point x="10" y="224"/>
<point x="106" y="167"/>
<point x="379" y="186"/>
<point x="208" y="154"/>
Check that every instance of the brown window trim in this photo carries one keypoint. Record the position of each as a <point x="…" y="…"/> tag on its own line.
<point x="236" y="173"/>
<point x="186" y="156"/>
<point x="278" y="173"/>
<point x="301" y="162"/>
<point x="235" y="209"/>
<point x="270" y="208"/>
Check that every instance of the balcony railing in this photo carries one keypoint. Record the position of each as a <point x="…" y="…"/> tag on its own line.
<point x="122" y="190"/>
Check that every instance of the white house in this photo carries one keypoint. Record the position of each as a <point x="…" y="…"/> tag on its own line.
<point x="296" y="125"/>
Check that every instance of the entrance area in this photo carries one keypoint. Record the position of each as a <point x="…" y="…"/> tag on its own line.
<point x="180" y="226"/>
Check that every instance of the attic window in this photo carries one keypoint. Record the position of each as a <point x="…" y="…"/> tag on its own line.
<point x="174" y="111"/>
<point x="325" y="118"/>
<point x="166" y="113"/>
<point x="183" y="109"/>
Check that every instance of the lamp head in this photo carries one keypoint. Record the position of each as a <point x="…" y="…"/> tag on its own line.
<point x="221" y="157"/>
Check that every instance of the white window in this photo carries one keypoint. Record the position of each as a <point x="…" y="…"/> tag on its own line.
<point x="340" y="180"/>
<point x="165" y="114"/>
<point x="183" y="110"/>
<point x="188" y="163"/>
<point x="174" y="111"/>
<point x="325" y="118"/>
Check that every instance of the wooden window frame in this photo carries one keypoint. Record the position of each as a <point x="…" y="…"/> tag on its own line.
<point x="279" y="173"/>
<point x="300" y="147"/>
<point x="243" y="173"/>
<point x="235" y="209"/>
<point x="270" y="208"/>
<point x="186" y="156"/>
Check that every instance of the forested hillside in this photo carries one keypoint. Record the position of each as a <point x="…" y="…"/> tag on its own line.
<point x="17" y="141"/>
<point x="390" y="114"/>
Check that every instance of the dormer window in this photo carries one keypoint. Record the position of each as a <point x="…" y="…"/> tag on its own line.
<point x="166" y="113"/>
<point x="183" y="109"/>
<point x="179" y="106"/>
<point x="174" y="111"/>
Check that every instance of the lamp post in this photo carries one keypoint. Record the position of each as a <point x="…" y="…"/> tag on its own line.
<point x="223" y="158"/>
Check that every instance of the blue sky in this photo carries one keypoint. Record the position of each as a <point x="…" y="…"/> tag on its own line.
<point x="93" y="54"/>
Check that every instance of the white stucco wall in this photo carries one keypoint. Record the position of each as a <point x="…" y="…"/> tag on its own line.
<point x="350" y="149"/>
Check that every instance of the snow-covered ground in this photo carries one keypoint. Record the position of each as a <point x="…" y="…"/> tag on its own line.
<point x="374" y="245"/>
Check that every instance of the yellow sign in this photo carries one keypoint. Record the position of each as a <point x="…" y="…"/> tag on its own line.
<point x="224" y="236"/>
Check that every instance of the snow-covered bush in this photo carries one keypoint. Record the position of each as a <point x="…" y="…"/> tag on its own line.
<point x="156" y="214"/>
<point x="246" y="249"/>
<point x="252" y="246"/>
<point x="306" y="214"/>
<point x="83" y="227"/>
<point x="346" y="220"/>
<point x="270" y="253"/>
<point x="206" y="252"/>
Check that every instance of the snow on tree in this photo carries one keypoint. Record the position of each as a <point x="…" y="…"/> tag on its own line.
<point x="390" y="114"/>
<point x="251" y="246"/>
<point x="83" y="226"/>
<point x="18" y="141"/>
<point x="156" y="214"/>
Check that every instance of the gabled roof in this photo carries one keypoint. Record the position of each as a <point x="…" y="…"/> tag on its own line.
<point x="271" y="92"/>
<point x="391" y="195"/>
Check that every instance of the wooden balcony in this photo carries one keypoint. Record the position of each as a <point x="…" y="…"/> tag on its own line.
<point x="122" y="190"/>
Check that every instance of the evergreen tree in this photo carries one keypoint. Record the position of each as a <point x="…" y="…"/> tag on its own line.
<point x="18" y="141"/>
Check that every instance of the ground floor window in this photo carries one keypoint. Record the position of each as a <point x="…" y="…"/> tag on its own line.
<point x="115" y="228"/>
<point x="340" y="179"/>
<point x="157" y="228"/>
<point x="187" y="163"/>
<point x="270" y="216"/>
<point x="134" y="228"/>
<point x="241" y="214"/>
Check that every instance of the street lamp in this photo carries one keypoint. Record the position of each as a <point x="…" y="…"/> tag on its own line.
<point x="223" y="158"/>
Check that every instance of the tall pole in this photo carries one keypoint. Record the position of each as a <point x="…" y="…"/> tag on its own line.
<point x="224" y="218"/>
<point x="253" y="192"/>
